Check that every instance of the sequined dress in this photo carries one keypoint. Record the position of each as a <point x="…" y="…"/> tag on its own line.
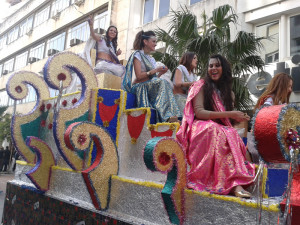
<point x="155" y="93"/>
<point x="215" y="152"/>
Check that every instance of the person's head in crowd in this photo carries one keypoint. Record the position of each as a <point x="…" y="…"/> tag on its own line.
<point x="279" y="89"/>
<point x="145" y="40"/>
<point x="189" y="60"/>
<point x="218" y="77"/>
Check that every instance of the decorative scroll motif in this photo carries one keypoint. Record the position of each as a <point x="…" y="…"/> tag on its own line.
<point x="135" y="125"/>
<point x="40" y="174"/>
<point x="165" y="155"/>
<point x="58" y="69"/>
<point x="98" y="176"/>
<point x="26" y="125"/>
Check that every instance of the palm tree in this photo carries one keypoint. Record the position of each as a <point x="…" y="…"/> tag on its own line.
<point x="183" y="35"/>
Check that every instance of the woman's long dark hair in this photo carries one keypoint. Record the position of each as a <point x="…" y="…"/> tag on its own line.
<point x="138" y="43"/>
<point x="224" y="85"/>
<point x="187" y="60"/>
<point x="114" y="40"/>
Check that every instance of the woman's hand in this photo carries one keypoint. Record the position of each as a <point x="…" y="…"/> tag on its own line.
<point x="161" y="70"/>
<point x="119" y="52"/>
<point x="91" y="21"/>
<point x="239" y="116"/>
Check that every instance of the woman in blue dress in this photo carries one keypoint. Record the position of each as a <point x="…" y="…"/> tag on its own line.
<point x="150" y="90"/>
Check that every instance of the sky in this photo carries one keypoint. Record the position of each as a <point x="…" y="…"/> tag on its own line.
<point x="6" y="9"/>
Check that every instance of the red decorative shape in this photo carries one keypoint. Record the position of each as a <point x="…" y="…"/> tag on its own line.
<point x="135" y="125"/>
<point x="107" y="113"/>
<point x="43" y="123"/>
<point x="48" y="106"/>
<point x="64" y="103"/>
<point x="294" y="200"/>
<point x="50" y="126"/>
<point x="61" y="76"/>
<point x="81" y="139"/>
<point x="18" y="89"/>
<point x="164" y="158"/>
<point x="74" y="101"/>
<point x="167" y="133"/>
<point x="42" y="107"/>
<point x="67" y="136"/>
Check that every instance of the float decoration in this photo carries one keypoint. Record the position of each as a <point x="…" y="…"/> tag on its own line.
<point x="40" y="174"/>
<point x="165" y="155"/>
<point x="135" y="125"/>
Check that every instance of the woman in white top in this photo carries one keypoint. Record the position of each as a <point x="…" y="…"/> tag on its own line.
<point x="277" y="92"/>
<point x="106" y="47"/>
<point x="184" y="78"/>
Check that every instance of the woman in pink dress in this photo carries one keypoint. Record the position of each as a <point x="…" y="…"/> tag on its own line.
<point x="213" y="148"/>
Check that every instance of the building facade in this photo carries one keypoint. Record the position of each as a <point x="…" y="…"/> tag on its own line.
<point x="39" y="29"/>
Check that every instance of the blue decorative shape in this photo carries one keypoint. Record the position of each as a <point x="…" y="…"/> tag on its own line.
<point x="277" y="181"/>
<point x="130" y="101"/>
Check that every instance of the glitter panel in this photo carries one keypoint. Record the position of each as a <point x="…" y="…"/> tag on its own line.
<point x="40" y="175"/>
<point x="63" y="63"/>
<point x="97" y="176"/>
<point x="17" y="89"/>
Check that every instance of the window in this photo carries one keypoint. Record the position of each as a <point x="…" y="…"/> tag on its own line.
<point x="101" y="21"/>
<point x="8" y="66"/>
<point x="3" y="98"/>
<point x="37" y="52"/>
<point x="12" y="35"/>
<point x="21" y="60"/>
<point x="42" y="16"/>
<point x="56" y="44"/>
<point x="80" y="32"/>
<point x="164" y="6"/>
<point x="148" y="11"/>
<point x="58" y="6"/>
<point x="31" y="96"/>
<point x="295" y="35"/>
<point x="3" y="41"/>
<point x="26" y="26"/>
<point x="271" y="48"/>
<point x="195" y="1"/>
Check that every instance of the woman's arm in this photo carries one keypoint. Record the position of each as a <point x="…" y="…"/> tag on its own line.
<point x="178" y="80"/>
<point x="203" y="114"/>
<point x="95" y="36"/>
<point x="141" y="76"/>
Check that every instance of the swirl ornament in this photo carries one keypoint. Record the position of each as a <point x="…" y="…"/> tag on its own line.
<point x="26" y="125"/>
<point x="58" y="70"/>
<point x="40" y="174"/>
<point x="98" y="176"/>
<point x="165" y="155"/>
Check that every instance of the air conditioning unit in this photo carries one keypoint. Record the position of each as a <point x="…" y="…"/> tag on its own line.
<point x="52" y="52"/>
<point x="99" y="31"/>
<point x="79" y="2"/>
<point x="32" y="60"/>
<point x="75" y="41"/>
<point x="56" y="15"/>
<point x="29" y="32"/>
<point x="4" y="72"/>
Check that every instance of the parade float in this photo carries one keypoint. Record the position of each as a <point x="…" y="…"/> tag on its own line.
<point x="92" y="157"/>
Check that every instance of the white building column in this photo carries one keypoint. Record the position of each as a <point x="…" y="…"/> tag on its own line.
<point x="283" y="34"/>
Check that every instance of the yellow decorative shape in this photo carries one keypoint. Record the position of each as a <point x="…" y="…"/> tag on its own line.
<point x="60" y="64"/>
<point x="41" y="173"/>
<point x="97" y="176"/>
<point x="100" y="99"/>
<point x="17" y="89"/>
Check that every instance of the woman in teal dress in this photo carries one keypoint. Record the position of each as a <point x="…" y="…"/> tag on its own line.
<point x="150" y="90"/>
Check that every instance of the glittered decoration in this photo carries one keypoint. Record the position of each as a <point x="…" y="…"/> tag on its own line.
<point x="26" y="125"/>
<point x="135" y="125"/>
<point x="166" y="155"/>
<point x="167" y="133"/>
<point x="41" y="173"/>
<point x="48" y="106"/>
<point x="97" y="176"/>
<point x="270" y="125"/>
<point x="64" y="63"/>
<point x="107" y="113"/>
<point x="64" y="103"/>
